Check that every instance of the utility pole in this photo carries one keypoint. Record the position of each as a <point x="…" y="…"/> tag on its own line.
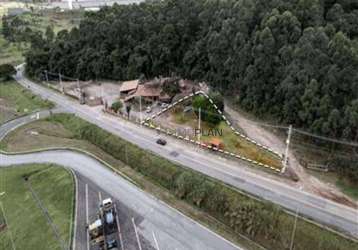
<point x="61" y="85"/>
<point x="294" y="230"/>
<point x="199" y="125"/>
<point x="46" y="75"/>
<point x="285" y="159"/>
<point x="140" y="109"/>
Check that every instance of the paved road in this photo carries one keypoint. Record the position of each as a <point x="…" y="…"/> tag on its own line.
<point x="172" y="229"/>
<point x="229" y="171"/>
<point x="89" y="195"/>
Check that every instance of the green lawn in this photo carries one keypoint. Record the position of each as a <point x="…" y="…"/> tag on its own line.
<point x="16" y="100"/>
<point x="58" y="20"/>
<point x="26" y="222"/>
<point x="12" y="53"/>
<point x="9" y="52"/>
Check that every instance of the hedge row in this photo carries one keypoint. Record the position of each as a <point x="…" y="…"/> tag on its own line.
<point x="263" y="222"/>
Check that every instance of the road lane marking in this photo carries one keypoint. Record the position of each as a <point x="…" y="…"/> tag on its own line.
<point x="155" y="240"/>
<point x="87" y="233"/>
<point x="136" y="234"/>
<point x="119" y="230"/>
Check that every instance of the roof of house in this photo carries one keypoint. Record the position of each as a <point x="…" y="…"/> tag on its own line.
<point x="129" y="85"/>
<point x="148" y="91"/>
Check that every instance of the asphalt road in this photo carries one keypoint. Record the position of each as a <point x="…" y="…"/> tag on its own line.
<point x="229" y="171"/>
<point x="172" y="230"/>
<point x="89" y="196"/>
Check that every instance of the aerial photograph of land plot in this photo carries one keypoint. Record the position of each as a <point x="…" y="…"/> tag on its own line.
<point x="178" y="125"/>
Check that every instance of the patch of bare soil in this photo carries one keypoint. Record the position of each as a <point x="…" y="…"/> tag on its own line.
<point x="306" y="181"/>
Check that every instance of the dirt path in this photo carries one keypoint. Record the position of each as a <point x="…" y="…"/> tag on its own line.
<point x="306" y="181"/>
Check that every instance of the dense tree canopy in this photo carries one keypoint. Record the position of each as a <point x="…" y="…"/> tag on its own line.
<point x="293" y="60"/>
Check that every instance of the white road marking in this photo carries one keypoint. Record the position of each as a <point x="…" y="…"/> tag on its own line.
<point x="87" y="235"/>
<point x="119" y="231"/>
<point x="155" y="240"/>
<point x="136" y="234"/>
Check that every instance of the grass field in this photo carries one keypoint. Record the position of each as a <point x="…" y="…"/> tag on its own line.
<point x="12" y="53"/>
<point x="9" y="52"/>
<point x="222" y="208"/>
<point x="16" y="100"/>
<point x="27" y="224"/>
<point x="232" y="142"/>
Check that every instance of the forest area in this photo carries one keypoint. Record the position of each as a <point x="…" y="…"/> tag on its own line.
<point x="295" y="61"/>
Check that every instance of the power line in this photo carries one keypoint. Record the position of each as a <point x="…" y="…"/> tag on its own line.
<point x="326" y="138"/>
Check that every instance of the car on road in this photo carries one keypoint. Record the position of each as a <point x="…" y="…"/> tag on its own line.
<point x="162" y="142"/>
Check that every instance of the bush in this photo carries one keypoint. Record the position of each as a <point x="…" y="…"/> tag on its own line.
<point x="208" y="112"/>
<point x="116" y="106"/>
<point x="6" y="71"/>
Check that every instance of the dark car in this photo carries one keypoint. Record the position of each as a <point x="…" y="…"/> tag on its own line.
<point x="161" y="142"/>
<point x="112" y="244"/>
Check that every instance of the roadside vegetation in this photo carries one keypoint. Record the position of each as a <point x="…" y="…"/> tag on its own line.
<point x="16" y="100"/>
<point x="26" y="222"/>
<point x="262" y="222"/>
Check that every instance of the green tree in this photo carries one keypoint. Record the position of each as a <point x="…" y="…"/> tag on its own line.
<point x="116" y="106"/>
<point x="6" y="71"/>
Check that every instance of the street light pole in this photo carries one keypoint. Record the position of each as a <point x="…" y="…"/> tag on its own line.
<point x="140" y="109"/>
<point x="199" y="125"/>
<point x="61" y="84"/>
<point x="46" y="76"/>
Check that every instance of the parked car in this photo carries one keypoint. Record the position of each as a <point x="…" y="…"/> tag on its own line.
<point x="148" y="109"/>
<point x="164" y="105"/>
<point x="161" y="142"/>
<point x="112" y="244"/>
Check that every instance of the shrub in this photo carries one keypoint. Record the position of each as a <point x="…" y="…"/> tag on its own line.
<point x="208" y="112"/>
<point x="6" y="71"/>
<point x="116" y="106"/>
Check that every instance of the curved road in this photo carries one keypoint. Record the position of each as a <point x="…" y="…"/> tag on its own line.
<point x="173" y="230"/>
<point x="229" y="171"/>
